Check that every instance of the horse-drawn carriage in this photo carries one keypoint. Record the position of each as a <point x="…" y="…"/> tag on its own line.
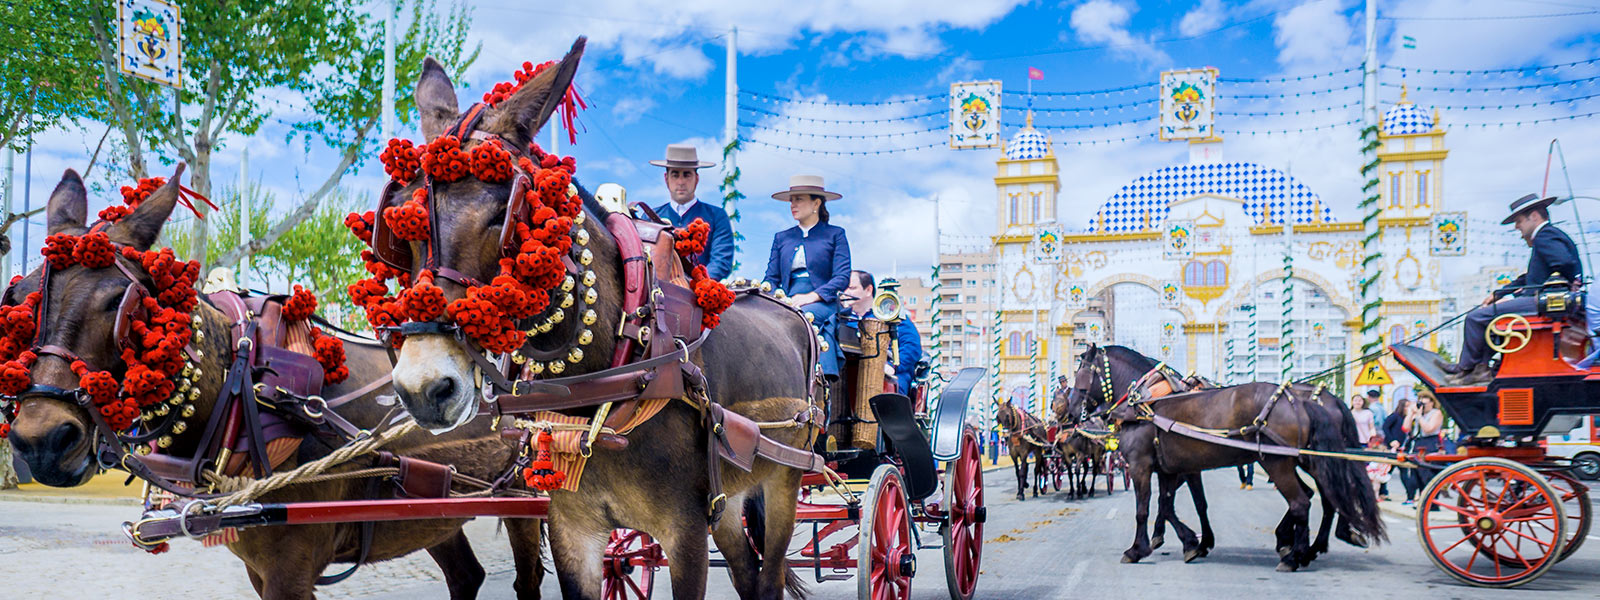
<point x="1503" y="511"/>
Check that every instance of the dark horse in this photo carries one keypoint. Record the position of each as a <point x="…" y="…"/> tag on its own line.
<point x="1025" y="437"/>
<point x="757" y="363"/>
<point x="1293" y="416"/>
<point x="55" y="434"/>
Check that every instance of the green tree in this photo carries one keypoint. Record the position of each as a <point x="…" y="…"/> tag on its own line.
<point x="44" y="59"/>
<point x="238" y="56"/>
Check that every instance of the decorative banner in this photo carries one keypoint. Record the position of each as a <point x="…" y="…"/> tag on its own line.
<point x="1048" y="239"/>
<point x="1503" y="278"/>
<point x="148" y="41"/>
<point x="1166" y="350"/>
<point x="974" y="115"/>
<point x="1169" y="330"/>
<point x="1318" y="330"/>
<point x="1449" y="234"/>
<point x="1171" y="294"/>
<point x="1420" y="325"/>
<point x="1077" y="294"/>
<point x="1188" y="99"/>
<point x="1179" y="243"/>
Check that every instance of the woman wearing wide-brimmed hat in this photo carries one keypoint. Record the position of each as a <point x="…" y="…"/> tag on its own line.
<point x="811" y="261"/>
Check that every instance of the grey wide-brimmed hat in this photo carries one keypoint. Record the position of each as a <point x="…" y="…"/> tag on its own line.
<point x="682" y="156"/>
<point x="806" y="184"/>
<point x="1527" y="203"/>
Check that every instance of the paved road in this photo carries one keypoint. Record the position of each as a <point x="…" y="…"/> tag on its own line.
<point x="1048" y="547"/>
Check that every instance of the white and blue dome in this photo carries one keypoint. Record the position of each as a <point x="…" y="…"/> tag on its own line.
<point x="1406" y="118"/>
<point x="1143" y="203"/>
<point x="1028" y="144"/>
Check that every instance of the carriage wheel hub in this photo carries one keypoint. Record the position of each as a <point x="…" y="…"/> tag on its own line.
<point x="1487" y="523"/>
<point x="908" y="565"/>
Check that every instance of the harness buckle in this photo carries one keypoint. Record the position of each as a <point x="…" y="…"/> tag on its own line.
<point x="315" y="413"/>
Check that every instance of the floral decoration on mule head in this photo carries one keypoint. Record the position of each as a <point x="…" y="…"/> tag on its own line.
<point x="158" y="377"/>
<point x="532" y="274"/>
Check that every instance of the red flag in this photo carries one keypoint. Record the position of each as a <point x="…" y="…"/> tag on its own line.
<point x="1035" y="74"/>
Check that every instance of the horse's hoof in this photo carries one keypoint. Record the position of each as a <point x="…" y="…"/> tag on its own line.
<point x="1352" y="539"/>
<point x="1157" y="541"/>
<point x="1202" y="552"/>
<point x="1129" y="559"/>
<point x="1190" y="555"/>
<point x="1284" y="567"/>
<point x="1283" y="552"/>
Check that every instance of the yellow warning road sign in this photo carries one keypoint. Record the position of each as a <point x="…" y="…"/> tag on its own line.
<point x="1374" y="373"/>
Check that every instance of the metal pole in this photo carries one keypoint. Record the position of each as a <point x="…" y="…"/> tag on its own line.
<point x="27" y="197"/>
<point x="730" y="139"/>
<point x="244" y="215"/>
<point x="9" y="191"/>
<point x="388" y="69"/>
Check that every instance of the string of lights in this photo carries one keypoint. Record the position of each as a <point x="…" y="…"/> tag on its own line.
<point x="937" y="113"/>
<point x="770" y="98"/>
<point x="1221" y="130"/>
<point x="1488" y="124"/>
<point x="1048" y="127"/>
<point x="1084" y="93"/>
<point x="1287" y="113"/>
<point x="1531" y="69"/>
<point x="788" y="148"/>
<point x="1508" y="88"/>
<point x="1303" y="94"/>
<point x="1288" y="78"/>
<point x="864" y="136"/>
<point x="1091" y="109"/>
<point x="1514" y="106"/>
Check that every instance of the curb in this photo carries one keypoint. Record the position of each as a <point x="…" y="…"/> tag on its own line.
<point x="42" y="499"/>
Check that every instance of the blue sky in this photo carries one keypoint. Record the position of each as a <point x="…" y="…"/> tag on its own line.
<point x="655" y="75"/>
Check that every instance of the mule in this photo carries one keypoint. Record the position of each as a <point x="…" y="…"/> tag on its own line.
<point x="54" y="432"/>
<point x="1025" y="437"/>
<point x="1297" y="417"/>
<point x="756" y="363"/>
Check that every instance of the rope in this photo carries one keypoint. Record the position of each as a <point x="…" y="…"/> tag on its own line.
<point x="357" y="447"/>
<point x="227" y="484"/>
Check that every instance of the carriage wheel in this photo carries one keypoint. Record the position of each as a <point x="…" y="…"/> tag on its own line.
<point x="629" y="572"/>
<point x="1498" y="510"/>
<point x="1575" y="499"/>
<point x="963" y="532"/>
<point x="1058" y="468"/>
<point x="885" y="560"/>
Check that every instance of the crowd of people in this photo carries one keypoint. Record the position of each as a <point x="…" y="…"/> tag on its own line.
<point x="1413" y="426"/>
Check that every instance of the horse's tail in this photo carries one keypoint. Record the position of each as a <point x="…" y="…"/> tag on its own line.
<point x="1343" y="482"/>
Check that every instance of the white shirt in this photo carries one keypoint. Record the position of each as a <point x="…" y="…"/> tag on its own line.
<point x="800" y="251"/>
<point x="681" y="209"/>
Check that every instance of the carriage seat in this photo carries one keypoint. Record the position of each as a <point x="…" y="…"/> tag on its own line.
<point x="906" y="440"/>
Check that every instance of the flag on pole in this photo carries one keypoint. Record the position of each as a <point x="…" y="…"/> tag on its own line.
<point x="1035" y="74"/>
<point x="1408" y="42"/>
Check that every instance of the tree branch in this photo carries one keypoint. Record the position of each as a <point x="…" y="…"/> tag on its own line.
<point x="12" y="218"/>
<point x="119" y="106"/>
<point x="96" y="156"/>
<point x="307" y="208"/>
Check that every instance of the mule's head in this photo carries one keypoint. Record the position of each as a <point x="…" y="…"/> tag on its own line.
<point x="51" y="431"/>
<point x="1086" y="393"/>
<point x="435" y="377"/>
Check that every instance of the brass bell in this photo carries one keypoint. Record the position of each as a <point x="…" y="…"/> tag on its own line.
<point x="195" y="321"/>
<point x="142" y="449"/>
<point x="164" y="441"/>
<point x="578" y="220"/>
<point x="557" y="366"/>
<point x="532" y="333"/>
<point x="546" y="327"/>
<point x="518" y="358"/>
<point x="583" y="236"/>
<point x="766" y="286"/>
<point x="198" y="373"/>
<point x="824" y="346"/>
<point x="147" y="416"/>
<point x="184" y="385"/>
<point x="558" y="317"/>
<point x="585" y="336"/>
<point x="586" y="257"/>
<point x="194" y="395"/>
<point x="810" y="317"/>
<point x="188" y="411"/>
<point x="589" y="277"/>
<point x="566" y="284"/>
<point x="179" y="427"/>
<point x="199" y="335"/>
<point x="160" y="410"/>
<point x="780" y="294"/>
<point x="177" y="399"/>
<point x="566" y="301"/>
<point x="188" y="369"/>
<point x="589" y="317"/>
<point x="536" y="367"/>
<point x="590" y="296"/>
<point x="575" y="355"/>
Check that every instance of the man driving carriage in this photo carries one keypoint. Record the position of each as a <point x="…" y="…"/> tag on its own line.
<point x="682" y="175"/>
<point x="1553" y="254"/>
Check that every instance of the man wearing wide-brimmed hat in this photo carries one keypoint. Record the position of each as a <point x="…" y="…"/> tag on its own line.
<point x="683" y="176"/>
<point x="1553" y="254"/>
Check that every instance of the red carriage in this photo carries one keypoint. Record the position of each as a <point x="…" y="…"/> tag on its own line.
<point x="1503" y="512"/>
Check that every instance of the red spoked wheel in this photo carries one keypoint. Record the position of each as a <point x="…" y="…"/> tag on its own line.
<point x="885" y="560"/>
<point x="963" y="528"/>
<point x="1502" y="526"/>
<point x="1058" y="469"/>
<point x="1580" y="513"/>
<point x="629" y="572"/>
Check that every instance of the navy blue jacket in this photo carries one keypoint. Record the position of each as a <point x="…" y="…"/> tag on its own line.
<point x="1553" y="252"/>
<point x="718" y="257"/>
<point x="827" y="259"/>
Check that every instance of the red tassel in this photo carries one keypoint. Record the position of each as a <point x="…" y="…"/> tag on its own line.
<point x="542" y="474"/>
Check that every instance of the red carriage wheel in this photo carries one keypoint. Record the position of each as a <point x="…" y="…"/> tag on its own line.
<point x="632" y="558"/>
<point x="1502" y="524"/>
<point x="1580" y="514"/>
<point x="1058" y="468"/>
<point x="885" y="560"/>
<point x="963" y="529"/>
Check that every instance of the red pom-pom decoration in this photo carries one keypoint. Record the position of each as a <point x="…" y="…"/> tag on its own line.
<point x="400" y="160"/>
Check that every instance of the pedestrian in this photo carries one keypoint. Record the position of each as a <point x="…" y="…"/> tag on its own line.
<point x="1366" y="423"/>
<point x="1394" y="438"/>
<point x="1247" y="475"/>
<point x="1375" y="404"/>
<point x="1423" y="424"/>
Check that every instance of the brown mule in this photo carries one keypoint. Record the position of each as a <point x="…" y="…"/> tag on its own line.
<point x="1025" y="437"/>
<point x="757" y="363"/>
<point x="58" y="438"/>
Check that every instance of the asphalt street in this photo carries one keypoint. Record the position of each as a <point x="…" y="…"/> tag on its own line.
<point x="1054" y="547"/>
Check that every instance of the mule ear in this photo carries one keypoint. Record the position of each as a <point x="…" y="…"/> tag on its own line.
<point x="69" y="204"/>
<point x="436" y="99"/>
<point x="525" y="112"/>
<point x="141" y="227"/>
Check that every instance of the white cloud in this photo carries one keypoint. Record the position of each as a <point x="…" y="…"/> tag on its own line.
<point x="1206" y="16"/>
<point x="1316" y="35"/>
<point x="628" y="110"/>
<point x="1106" y="22"/>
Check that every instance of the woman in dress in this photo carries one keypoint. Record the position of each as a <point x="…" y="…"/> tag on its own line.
<point x="811" y="261"/>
